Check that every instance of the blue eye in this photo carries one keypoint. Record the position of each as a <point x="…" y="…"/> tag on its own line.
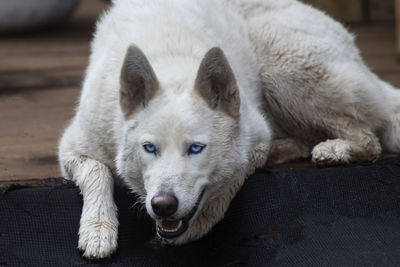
<point x="196" y="148"/>
<point x="149" y="147"/>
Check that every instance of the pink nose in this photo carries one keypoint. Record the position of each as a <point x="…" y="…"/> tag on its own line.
<point x="164" y="205"/>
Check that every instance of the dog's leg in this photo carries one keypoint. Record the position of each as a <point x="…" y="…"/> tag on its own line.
<point x="391" y="133"/>
<point x="258" y="158"/>
<point x="353" y="141"/>
<point x="287" y="149"/>
<point x="98" y="230"/>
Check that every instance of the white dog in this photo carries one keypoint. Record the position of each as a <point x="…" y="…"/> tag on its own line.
<point x="176" y="99"/>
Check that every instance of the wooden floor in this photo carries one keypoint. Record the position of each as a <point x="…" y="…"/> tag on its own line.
<point x="40" y="77"/>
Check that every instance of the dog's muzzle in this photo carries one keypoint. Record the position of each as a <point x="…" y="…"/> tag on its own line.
<point x="171" y="229"/>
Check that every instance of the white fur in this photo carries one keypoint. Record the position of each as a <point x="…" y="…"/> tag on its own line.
<point x="292" y="61"/>
<point x="174" y="36"/>
<point x="316" y="85"/>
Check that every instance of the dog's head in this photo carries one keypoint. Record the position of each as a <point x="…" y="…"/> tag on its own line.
<point x="180" y="144"/>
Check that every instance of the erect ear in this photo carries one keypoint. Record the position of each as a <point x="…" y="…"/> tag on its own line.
<point x="138" y="81"/>
<point x="216" y="83"/>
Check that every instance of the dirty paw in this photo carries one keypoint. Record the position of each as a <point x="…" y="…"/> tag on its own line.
<point x="257" y="158"/>
<point x="98" y="239"/>
<point x="331" y="153"/>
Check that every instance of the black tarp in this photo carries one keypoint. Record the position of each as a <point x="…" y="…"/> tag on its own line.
<point x="345" y="216"/>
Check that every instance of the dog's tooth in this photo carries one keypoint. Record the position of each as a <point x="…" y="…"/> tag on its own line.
<point x="170" y="230"/>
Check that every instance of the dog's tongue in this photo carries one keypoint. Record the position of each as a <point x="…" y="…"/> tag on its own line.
<point x="169" y="225"/>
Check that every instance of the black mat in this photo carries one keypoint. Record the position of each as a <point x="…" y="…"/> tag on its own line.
<point x="348" y="216"/>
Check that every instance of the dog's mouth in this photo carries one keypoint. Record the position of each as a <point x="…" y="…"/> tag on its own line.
<point x="171" y="229"/>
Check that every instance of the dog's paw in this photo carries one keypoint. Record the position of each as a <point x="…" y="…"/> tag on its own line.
<point x="98" y="239"/>
<point x="331" y="153"/>
<point x="257" y="158"/>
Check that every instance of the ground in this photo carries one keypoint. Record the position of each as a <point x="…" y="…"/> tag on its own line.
<point x="41" y="74"/>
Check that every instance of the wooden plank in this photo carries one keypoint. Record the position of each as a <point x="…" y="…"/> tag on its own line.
<point x="32" y="123"/>
<point x="342" y="10"/>
<point x="381" y="10"/>
<point x="15" y="81"/>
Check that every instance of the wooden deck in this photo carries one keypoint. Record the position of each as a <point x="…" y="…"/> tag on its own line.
<point x="40" y="77"/>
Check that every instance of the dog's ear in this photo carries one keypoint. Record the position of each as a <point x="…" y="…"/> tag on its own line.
<point x="216" y="83"/>
<point x="138" y="81"/>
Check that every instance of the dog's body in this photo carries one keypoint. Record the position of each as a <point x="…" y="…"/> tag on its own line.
<point x="317" y="87"/>
<point x="183" y="123"/>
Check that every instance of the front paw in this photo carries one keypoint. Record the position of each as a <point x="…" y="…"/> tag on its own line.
<point x="259" y="156"/>
<point x="98" y="238"/>
<point x="331" y="153"/>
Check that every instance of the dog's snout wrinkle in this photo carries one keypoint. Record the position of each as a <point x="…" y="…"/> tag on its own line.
<point x="164" y="205"/>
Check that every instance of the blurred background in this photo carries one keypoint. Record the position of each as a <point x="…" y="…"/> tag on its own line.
<point x="44" y="48"/>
